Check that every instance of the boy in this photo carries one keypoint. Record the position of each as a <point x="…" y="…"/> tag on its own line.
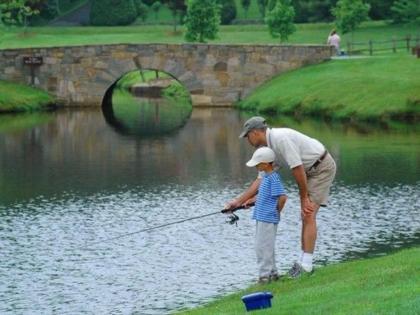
<point x="270" y="201"/>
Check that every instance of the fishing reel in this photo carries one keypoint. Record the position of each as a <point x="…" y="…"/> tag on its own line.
<point x="232" y="219"/>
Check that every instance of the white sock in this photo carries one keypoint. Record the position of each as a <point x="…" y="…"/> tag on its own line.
<point x="307" y="261"/>
<point x="301" y="256"/>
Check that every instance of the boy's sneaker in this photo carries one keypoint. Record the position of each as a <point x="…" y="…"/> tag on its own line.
<point x="297" y="271"/>
<point x="263" y="280"/>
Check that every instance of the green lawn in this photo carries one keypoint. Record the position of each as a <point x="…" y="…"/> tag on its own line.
<point x="372" y="88"/>
<point x="18" y="98"/>
<point x="233" y="34"/>
<point x="385" y="285"/>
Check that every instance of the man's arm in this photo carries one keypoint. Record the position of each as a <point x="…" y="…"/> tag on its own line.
<point x="249" y="193"/>
<point x="307" y="206"/>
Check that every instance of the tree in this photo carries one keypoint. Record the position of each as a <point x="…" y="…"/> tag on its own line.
<point x="406" y="11"/>
<point x="380" y="9"/>
<point x="246" y="4"/>
<point x="141" y="9"/>
<point x="349" y="14"/>
<point x="262" y="4"/>
<point x="156" y="8"/>
<point x="178" y="9"/>
<point x="17" y="12"/>
<point x="203" y="19"/>
<point x="112" y="12"/>
<point x="280" y="20"/>
<point x="227" y="11"/>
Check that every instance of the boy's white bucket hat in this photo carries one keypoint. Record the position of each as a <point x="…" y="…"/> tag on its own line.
<point x="261" y="155"/>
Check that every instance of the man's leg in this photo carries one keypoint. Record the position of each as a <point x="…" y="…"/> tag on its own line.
<point x="309" y="235"/>
<point x="309" y="231"/>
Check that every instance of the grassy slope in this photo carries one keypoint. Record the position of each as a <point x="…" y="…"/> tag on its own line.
<point x="369" y="88"/>
<point x="17" y="97"/>
<point x="385" y="285"/>
<point x="234" y="34"/>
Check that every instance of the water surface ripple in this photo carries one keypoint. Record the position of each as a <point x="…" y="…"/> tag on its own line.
<point x="70" y="183"/>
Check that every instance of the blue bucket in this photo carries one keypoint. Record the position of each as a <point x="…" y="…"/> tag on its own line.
<point x="257" y="300"/>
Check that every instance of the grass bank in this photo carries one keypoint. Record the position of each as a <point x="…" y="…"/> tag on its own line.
<point x="384" y="285"/>
<point x="232" y="34"/>
<point x="376" y="88"/>
<point x="21" y="98"/>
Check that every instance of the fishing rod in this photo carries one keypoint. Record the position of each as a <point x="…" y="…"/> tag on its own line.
<point x="232" y="219"/>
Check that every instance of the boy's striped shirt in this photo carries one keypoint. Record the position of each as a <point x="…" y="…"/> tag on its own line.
<point x="269" y="191"/>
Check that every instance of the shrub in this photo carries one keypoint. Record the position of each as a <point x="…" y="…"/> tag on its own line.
<point x="141" y="9"/>
<point x="227" y="11"/>
<point x="112" y="12"/>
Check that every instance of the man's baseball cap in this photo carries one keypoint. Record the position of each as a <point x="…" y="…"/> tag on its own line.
<point x="261" y="155"/>
<point x="255" y="122"/>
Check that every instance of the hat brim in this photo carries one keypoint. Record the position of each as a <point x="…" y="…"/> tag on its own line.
<point x="243" y="134"/>
<point x="252" y="163"/>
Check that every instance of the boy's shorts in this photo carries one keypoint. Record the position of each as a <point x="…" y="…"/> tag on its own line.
<point x="320" y="179"/>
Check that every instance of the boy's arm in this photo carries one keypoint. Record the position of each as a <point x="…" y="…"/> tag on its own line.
<point x="281" y="201"/>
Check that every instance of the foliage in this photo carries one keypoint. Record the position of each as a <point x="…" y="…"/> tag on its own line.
<point x="112" y="12"/>
<point x="17" y="12"/>
<point x="203" y="19"/>
<point x="313" y="11"/>
<point x="227" y="11"/>
<point x="178" y="8"/>
<point x="262" y="4"/>
<point x="349" y="14"/>
<point x="142" y="9"/>
<point x="156" y="8"/>
<point x="245" y="4"/>
<point x="280" y="20"/>
<point x="406" y="11"/>
<point x="380" y="9"/>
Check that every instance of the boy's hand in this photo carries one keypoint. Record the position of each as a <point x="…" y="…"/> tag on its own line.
<point x="281" y="202"/>
<point x="249" y="203"/>
<point x="232" y="204"/>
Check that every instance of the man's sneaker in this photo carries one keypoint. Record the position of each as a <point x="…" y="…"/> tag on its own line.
<point x="297" y="270"/>
<point x="263" y="280"/>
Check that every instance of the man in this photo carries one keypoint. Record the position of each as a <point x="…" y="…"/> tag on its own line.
<point x="313" y="169"/>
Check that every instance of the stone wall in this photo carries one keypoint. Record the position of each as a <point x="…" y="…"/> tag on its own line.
<point x="214" y="74"/>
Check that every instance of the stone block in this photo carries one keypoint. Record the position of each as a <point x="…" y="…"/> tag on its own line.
<point x="201" y="100"/>
<point x="9" y="70"/>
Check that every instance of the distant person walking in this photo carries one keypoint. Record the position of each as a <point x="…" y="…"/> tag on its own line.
<point x="334" y="40"/>
<point x="313" y="169"/>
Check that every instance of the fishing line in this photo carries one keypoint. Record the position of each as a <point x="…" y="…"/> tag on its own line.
<point x="231" y="220"/>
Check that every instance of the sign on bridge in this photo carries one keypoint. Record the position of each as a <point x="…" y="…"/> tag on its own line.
<point x="33" y="60"/>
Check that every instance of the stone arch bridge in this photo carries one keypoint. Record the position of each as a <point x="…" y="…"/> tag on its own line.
<point x="214" y="74"/>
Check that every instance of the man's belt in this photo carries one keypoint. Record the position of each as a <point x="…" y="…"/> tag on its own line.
<point x="321" y="158"/>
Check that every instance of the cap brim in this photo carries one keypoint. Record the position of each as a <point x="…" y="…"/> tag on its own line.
<point x="252" y="163"/>
<point x="243" y="134"/>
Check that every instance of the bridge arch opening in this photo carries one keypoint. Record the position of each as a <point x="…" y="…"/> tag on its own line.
<point x="147" y="102"/>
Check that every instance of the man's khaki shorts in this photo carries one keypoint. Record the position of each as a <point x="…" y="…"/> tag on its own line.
<point x="320" y="179"/>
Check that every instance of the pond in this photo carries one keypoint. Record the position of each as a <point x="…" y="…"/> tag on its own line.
<point x="70" y="182"/>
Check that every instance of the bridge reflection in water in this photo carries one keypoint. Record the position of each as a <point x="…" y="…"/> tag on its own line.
<point x="145" y="116"/>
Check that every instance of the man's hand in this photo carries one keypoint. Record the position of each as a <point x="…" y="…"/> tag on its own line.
<point x="307" y="206"/>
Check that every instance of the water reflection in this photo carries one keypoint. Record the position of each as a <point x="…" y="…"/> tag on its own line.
<point x="147" y="116"/>
<point x="73" y="180"/>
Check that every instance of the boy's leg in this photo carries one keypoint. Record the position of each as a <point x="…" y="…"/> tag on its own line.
<point x="264" y="246"/>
